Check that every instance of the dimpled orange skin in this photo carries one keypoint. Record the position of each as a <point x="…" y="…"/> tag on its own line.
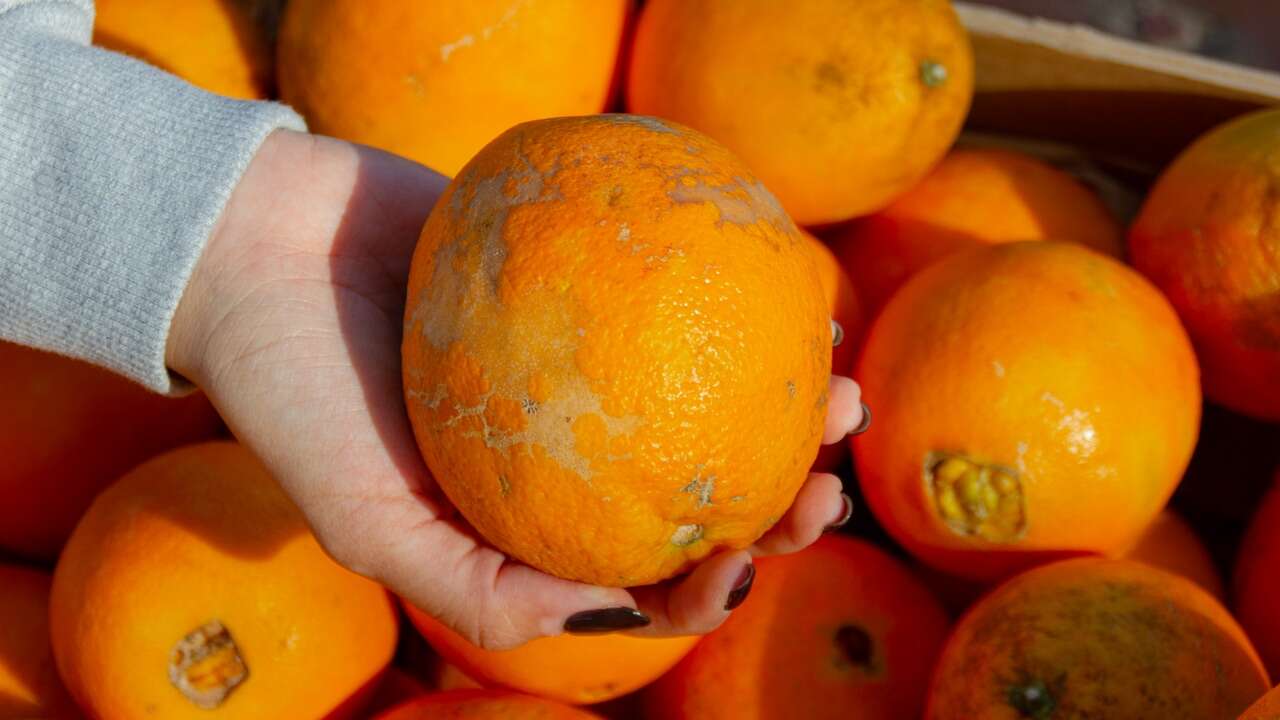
<point x="1101" y="639"/>
<point x="485" y="705"/>
<point x="973" y="197"/>
<point x="1256" y="581"/>
<point x="842" y="301"/>
<point x="1209" y="237"/>
<point x="827" y="100"/>
<point x="213" y="44"/>
<point x="1267" y="708"/>
<point x="199" y="534"/>
<point x="29" y="682"/>
<point x="436" y="81"/>
<point x="838" y="630"/>
<point x="67" y="430"/>
<point x="569" y="668"/>
<point x="1052" y="361"/>
<point x="606" y="316"/>
<point x="1172" y="545"/>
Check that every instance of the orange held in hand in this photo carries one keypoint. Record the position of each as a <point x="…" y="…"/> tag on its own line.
<point x="569" y="668"/>
<point x="67" y="430"/>
<point x="973" y="197"/>
<point x="213" y="44"/>
<point x="1209" y="236"/>
<point x="436" y="81"/>
<point x="193" y="589"/>
<point x="484" y="705"/>
<point x="1041" y="399"/>
<point x="1257" y="579"/>
<point x="838" y="630"/>
<point x="616" y="349"/>
<point x="837" y="106"/>
<point x="1096" y="638"/>
<point x="29" y="682"/>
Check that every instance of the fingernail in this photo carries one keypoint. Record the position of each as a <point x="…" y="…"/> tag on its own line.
<point x="844" y="516"/>
<point x="742" y="588"/>
<point x="837" y="334"/>
<point x="866" y="421"/>
<point x="605" y="620"/>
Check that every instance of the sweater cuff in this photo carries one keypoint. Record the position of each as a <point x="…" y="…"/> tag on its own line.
<point x="115" y="174"/>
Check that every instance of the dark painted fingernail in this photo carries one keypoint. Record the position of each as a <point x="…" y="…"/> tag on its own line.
<point x="605" y="620"/>
<point x="742" y="589"/>
<point x="844" y="517"/>
<point x="837" y="334"/>
<point x="866" y="421"/>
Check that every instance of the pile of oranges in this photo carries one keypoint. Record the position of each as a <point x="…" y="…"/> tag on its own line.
<point x="623" y="310"/>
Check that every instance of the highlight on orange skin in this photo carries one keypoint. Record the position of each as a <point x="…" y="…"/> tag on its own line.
<point x="1256" y="582"/>
<point x="1208" y="236"/>
<point x="1093" y="637"/>
<point x="569" y="668"/>
<point x="1044" y="402"/>
<point x="29" y="682"/>
<point x="436" y="81"/>
<point x="973" y="197"/>
<point x="622" y="442"/>
<point x="213" y="44"/>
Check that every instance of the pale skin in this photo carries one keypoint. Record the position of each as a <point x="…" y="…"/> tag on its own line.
<point x="291" y="323"/>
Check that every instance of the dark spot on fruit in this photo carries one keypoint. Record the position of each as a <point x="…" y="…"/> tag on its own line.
<point x="829" y="75"/>
<point x="855" y="645"/>
<point x="933" y="73"/>
<point x="1032" y="699"/>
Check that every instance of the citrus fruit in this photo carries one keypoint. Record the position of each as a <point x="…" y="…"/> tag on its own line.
<point x="1267" y="708"/>
<point x="484" y="705"/>
<point x="842" y="301"/>
<point x="436" y="81"/>
<point x="1256" y="579"/>
<point x="67" y="430"/>
<point x="1040" y="399"/>
<point x="605" y="316"/>
<point x="1209" y="236"/>
<point x="973" y="197"/>
<point x="838" y="630"/>
<point x="1170" y="544"/>
<point x="29" y="682"/>
<point x="837" y="106"/>
<point x="213" y="44"/>
<point x="573" y="669"/>
<point x="1096" y="638"/>
<point x="192" y="588"/>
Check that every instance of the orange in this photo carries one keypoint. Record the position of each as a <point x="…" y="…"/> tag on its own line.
<point x="1268" y="708"/>
<point x="213" y="44"/>
<point x="1209" y="236"/>
<point x="396" y="688"/>
<point x="569" y="668"/>
<point x="1096" y="638"/>
<point x="67" y="429"/>
<point x="842" y="301"/>
<point x="1257" y="579"/>
<point x="484" y="705"/>
<point x="436" y="81"/>
<point x="29" y="683"/>
<point x="1171" y="544"/>
<point x="837" y="106"/>
<point x="973" y="197"/>
<point x="838" y="630"/>
<point x="605" y="317"/>
<point x="1035" y="399"/>
<point x="193" y="589"/>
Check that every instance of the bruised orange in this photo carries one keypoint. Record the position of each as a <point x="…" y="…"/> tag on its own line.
<point x="1257" y="579"/>
<point x="1096" y="638"/>
<point x="607" y="316"/>
<point x="67" y="430"/>
<point x="1035" y="399"/>
<point x="484" y="705"/>
<point x="29" y="682"/>
<point x="837" y="106"/>
<point x="973" y="197"/>
<point x="1171" y="544"/>
<point x="436" y="81"/>
<point x="570" y="668"/>
<point x="838" y="630"/>
<point x="193" y="589"/>
<point x="213" y="44"/>
<point x="1267" y="708"/>
<point x="1209" y="236"/>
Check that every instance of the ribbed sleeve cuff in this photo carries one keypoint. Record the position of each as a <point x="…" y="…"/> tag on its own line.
<point x="112" y="176"/>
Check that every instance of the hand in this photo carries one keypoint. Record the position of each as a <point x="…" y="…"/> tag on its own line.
<point x="291" y="323"/>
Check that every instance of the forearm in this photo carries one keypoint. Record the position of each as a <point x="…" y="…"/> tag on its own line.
<point x="112" y="175"/>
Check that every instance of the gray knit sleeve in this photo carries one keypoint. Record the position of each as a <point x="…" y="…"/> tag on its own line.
<point x="112" y="175"/>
